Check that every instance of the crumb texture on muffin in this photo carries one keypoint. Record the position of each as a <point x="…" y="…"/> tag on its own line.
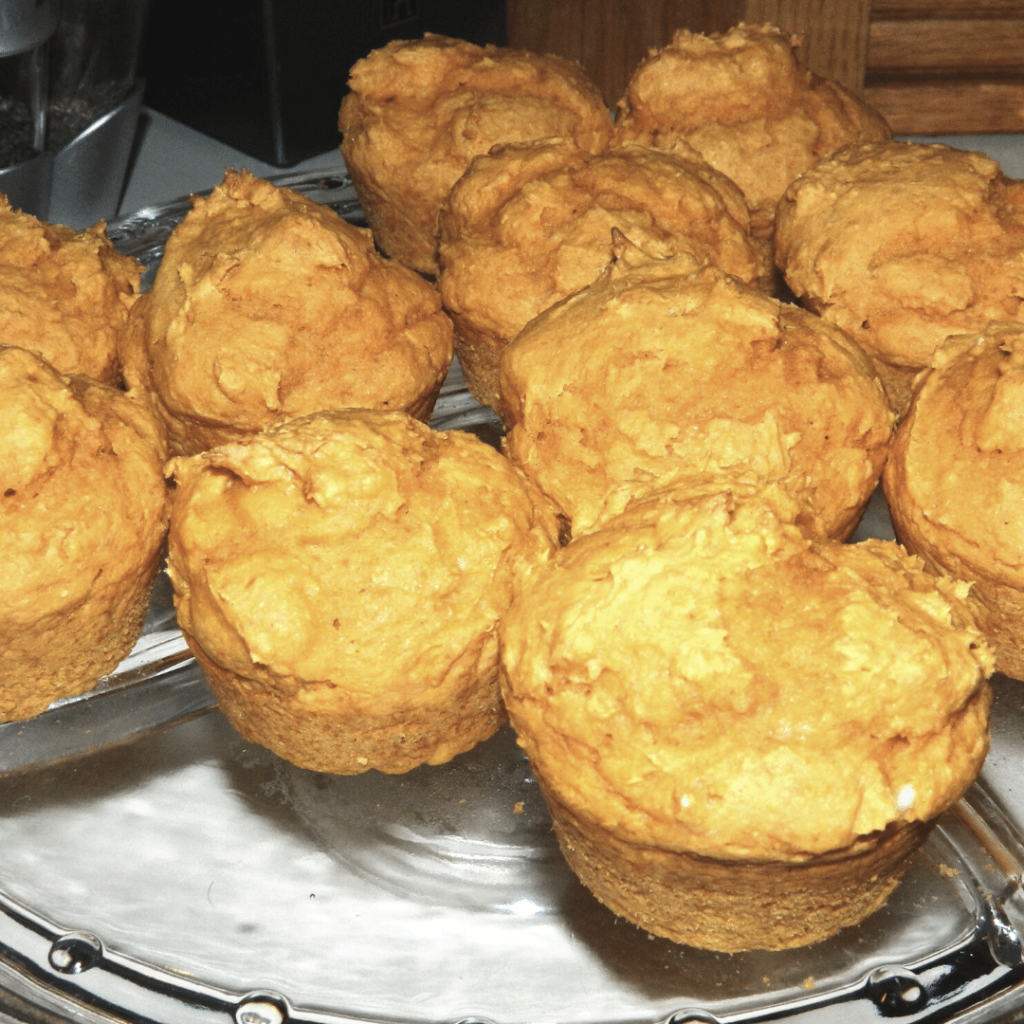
<point x="529" y="225"/>
<point x="903" y="244"/>
<point x="83" y="515"/>
<point x="700" y="681"/>
<point x="64" y="294"/>
<point x="955" y="477"/>
<point x="268" y="306"/>
<point x="797" y="694"/>
<point x="418" y="111"/>
<point x="744" y="103"/>
<point x="660" y="368"/>
<point x="340" y="578"/>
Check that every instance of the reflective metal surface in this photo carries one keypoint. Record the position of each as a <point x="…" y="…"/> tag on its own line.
<point x="89" y="172"/>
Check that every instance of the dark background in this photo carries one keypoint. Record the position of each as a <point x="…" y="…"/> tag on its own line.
<point x="267" y="76"/>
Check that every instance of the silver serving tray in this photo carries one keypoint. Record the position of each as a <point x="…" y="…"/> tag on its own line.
<point x="157" y="868"/>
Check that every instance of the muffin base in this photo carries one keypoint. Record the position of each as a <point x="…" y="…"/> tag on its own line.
<point x="999" y="608"/>
<point x="344" y="741"/>
<point x="480" y="369"/>
<point x="67" y="654"/>
<point x="736" y="906"/>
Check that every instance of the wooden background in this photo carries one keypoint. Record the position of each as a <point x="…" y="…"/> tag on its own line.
<point x="931" y="66"/>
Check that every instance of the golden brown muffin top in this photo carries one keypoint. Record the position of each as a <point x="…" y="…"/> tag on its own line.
<point x="743" y="102"/>
<point x="902" y="244"/>
<point x="64" y="294"/>
<point x="701" y="676"/>
<point x="268" y="306"/>
<point x="957" y="469"/>
<point x="350" y="556"/>
<point x="528" y="225"/>
<point x="659" y="369"/>
<point x="82" y="493"/>
<point x="419" y="110"/>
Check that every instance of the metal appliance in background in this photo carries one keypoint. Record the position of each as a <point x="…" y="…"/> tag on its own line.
<point x="70" y="97"/>
<point x="25" y="167"/>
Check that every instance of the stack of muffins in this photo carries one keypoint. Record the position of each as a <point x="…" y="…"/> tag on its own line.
<point x="683" y="671"/>
<point x="83" y="504"/>
<point x="651" y="579"/>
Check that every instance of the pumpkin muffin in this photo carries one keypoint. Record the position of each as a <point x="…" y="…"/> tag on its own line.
<point x="742" y="733"/>
<point x="83" y="515"/>
<point x="662" y="369"/>
<point x="744" y="103"/>
<point x="64" y="294"/>
<point x="903" y="244"/>
<point x="339" y="578"/>
<point x="528" y="225"/>
<point x="418" y="111"/>
<point x="268" y="306"/>
<point x="955" y="478"/>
